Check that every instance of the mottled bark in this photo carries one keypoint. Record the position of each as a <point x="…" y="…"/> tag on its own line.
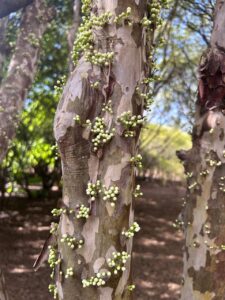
<point x="22" y="69"/>
<point x="73" y="30"/>
<point x="7" y="7"/>
<point x="111" y="165"/>
<point x="3" y="291"/>
<point x="204" y="215"/>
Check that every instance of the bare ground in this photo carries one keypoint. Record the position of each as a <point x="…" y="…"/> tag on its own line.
<point x="157" y="248"/>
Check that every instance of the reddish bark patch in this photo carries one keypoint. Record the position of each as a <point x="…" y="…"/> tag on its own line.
<point x="211" y="88"/>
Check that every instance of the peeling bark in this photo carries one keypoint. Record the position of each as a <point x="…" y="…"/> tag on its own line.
<point x="7" y="7"/>
<point x="204" y="217"/>
<point x="111" y="164"/>
<point x="22" y="69"/>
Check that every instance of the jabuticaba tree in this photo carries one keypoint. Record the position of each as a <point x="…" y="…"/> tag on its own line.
<point x="21" y="71"/>
<point x="204" y="213"/>
<point x="22" y="68"/>
<point x="97" y="125"/>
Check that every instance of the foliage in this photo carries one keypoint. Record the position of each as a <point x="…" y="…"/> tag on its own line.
<point x="32" y="156"/>
<point x="159" y="154"/>
<point x="185" y="32"/>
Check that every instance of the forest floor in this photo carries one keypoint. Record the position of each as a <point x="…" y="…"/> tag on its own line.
<point x="157" y="248"/>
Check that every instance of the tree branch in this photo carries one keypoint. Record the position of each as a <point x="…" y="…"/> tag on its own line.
<point x="7" y="7"/>
<point x="22" y="69"/>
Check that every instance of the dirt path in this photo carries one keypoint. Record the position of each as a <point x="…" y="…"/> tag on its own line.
<point x="157" y="248"/>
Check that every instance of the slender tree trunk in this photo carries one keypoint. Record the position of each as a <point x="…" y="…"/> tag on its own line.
<point x="22" y="69"/>
<point x="101" y="92"/>
<point x="21" y="72"/>
<point x="204" y="216"/>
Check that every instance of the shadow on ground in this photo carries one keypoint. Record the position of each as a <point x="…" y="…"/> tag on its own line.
<point x="157" y="248"/>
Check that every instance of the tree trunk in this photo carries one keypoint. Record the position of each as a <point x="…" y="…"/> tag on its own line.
<point x="101" y="90"/>
<point x="204" y="215"/>
<point x="22" y="69"/>
<point x="21" y="72"/>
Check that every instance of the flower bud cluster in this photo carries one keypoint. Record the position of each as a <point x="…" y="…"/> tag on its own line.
<point x="108" y="107"/>
<point x="84" y="42"/>
<point x="130" y="123"/>
<point x="147" y="96"/>
<point x="54" y="227"/>
<point x="71" y="241"/>
<point x="124" y="16"/>
<point x="59" y="85"/>
<point x="57" y="212"/>
<point x="137" y="161"/>
<point x="94" y="189"/>
<point x="132" y="230"/>
<point x="101" y="134"/>
<point x="53" y="259"/>
<point x="110" y="194"/>
<point x="137" y="192"/>
<point x="99" y="58"/>
<point x="117" y="263"/>
<point x="98" y="280"/>
<point x="83" y="212"/>
<point x="131" y="287"/>
<point x="86" y="7"/>
<point x="77" y="120"/>
<point x="148" y="100"/>
<point x="95" y="84"/>
<point x="69" y="273"/>
<point x="154" y="11"/>
<point x="145" y="22"/>
<point x="53" y="290"/>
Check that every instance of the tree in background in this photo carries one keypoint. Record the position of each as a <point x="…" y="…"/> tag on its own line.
<point x="31" y="158"/>
<point x="205" y="168"/>
<point x="20" y="72"/>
